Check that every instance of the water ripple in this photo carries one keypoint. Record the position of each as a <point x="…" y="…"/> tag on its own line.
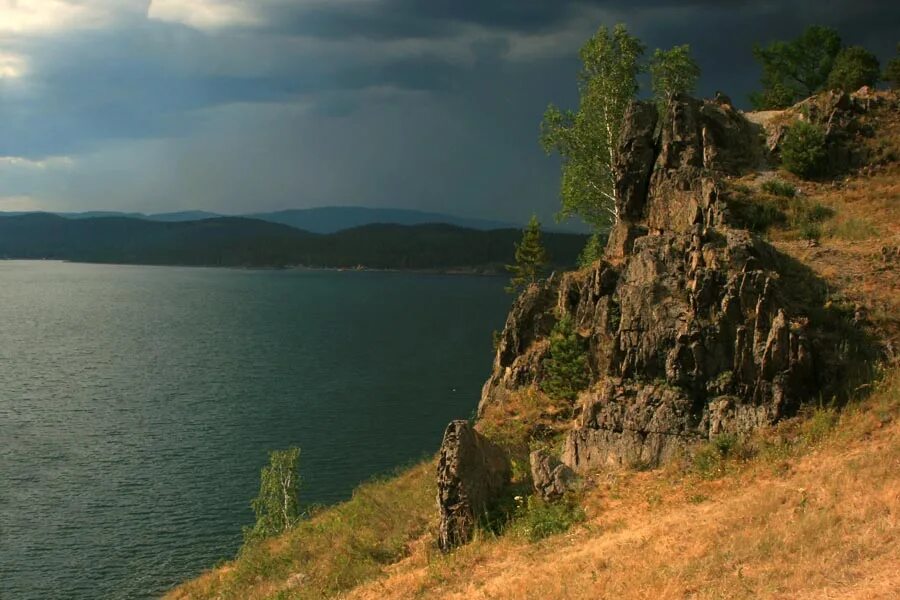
<point x="137" y="405"/>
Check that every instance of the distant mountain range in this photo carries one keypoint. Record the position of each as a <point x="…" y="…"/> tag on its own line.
<point x="329" y="219"/>
<point x="253" y="242"/>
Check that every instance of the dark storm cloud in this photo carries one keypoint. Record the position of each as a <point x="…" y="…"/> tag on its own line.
<point x="126" y="84"/>
<point x="398" y="19"/>
<point x="430" y="104"/>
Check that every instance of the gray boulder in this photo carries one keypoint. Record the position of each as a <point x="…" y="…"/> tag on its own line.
<point x="551" y="478"/>
<point x="472" y="473"/>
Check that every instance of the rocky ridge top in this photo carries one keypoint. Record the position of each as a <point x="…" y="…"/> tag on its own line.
<point x="692" y="327"/>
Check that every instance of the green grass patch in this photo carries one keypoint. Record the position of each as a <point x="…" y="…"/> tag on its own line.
<point x="854" y="230"/>
<point x="535" y="519"/>
<point x="336" y="548"/>
<point x="715" y="458"/>
<point x="777" y="187"/>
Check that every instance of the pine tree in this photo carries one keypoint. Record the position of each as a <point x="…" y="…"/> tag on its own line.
<point x="565" y="370"/>
<point x="531" y="258"/>
<point x="796" y="69"/>
<point x="853" y="68"/>
<point x="593" y="251"/>
<point x="892" y="71"/>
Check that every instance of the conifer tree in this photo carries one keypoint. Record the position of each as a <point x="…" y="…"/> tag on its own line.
<point x="565" y="370"/>
<point x="853" y="68"/>
<point x="892" y="71"/>
<point x="531" y="258"/>
<point x="593" y="251"/>
<point x="796" y="69"/>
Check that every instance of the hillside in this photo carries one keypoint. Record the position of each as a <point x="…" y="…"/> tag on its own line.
<point x="773" y="478"/>
<point x="331" y="219"/>
<point x="324" y="219"/>
<point x="244" y="242"/>
<point x="811" y="513"/>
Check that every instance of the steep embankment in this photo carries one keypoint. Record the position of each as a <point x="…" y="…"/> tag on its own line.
<point x="766" y="489"/>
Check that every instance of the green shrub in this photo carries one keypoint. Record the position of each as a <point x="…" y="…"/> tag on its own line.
<point x="757" y="214"/>
<point x="711" y="459"/>
<point x="808" y="220"/>
<point x="818" y="212"/>
<point x="777" y="187"/>
<point x="819" y="424"/>
<point x="565" y="372"/>
<point x="536" y="519"/>
<point x="810" y="230"/>
<point x="754" y="211"/>
<point x="803" y="151"/>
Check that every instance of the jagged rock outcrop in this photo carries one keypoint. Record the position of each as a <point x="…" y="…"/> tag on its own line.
<point x="472" y="472"/>
<point x="843" y="119"/>
<point x="550" y="477"/>
<point x="692" y="332"/>
<point x="522" y="344"/>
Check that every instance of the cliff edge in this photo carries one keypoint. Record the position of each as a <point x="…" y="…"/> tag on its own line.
<point x="695" y="326"/>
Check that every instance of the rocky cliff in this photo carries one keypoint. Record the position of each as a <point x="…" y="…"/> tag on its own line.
<point x="695" y="326"/>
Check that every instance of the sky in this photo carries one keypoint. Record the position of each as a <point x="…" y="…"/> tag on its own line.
<point x="242" y="106"/>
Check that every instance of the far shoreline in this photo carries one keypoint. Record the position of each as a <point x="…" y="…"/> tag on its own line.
<point x="450" y="271"/>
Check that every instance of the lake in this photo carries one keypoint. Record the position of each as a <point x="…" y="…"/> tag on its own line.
<point x="138" y="404"/>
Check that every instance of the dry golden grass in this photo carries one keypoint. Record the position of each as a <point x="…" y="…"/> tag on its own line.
<point x="523" y="415"/>
<point x="849" y="255"/>
<point x="821" y="524"/>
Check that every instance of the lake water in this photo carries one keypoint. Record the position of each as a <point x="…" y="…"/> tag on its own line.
<point x="138" y="404"/>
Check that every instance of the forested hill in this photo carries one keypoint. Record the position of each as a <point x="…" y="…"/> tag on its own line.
<point x="237" y="241"/>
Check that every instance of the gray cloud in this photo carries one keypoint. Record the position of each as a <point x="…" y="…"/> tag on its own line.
<point x="430" y="104"/>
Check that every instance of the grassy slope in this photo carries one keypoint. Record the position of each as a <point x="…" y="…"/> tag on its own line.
<point x="808" y="509"/>
<point x="334" y="550"/>
<point x="814" y="515"/>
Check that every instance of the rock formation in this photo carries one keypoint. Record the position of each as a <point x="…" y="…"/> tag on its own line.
<point x="844" y="119"/>
<point x="693" y="331"/>
<point x="551" y="479"/>
<point x="472" y="472"/>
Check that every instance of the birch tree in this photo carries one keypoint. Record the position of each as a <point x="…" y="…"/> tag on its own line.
<point x="673" y="72"/>
<point x="277" y="506"/>
<point x="586" y="139"/>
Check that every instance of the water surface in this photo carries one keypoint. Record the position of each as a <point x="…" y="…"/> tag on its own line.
<point x="137" y="405"/>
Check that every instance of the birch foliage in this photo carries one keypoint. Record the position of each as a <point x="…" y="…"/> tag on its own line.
<point x="586" y="139"/>
<point x="277" y="507"/>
